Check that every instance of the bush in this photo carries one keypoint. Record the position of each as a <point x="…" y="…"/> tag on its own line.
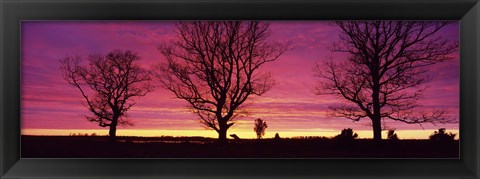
<point x="346" y="134"/>
<point x="442" y="135"/>
<point x="277" y="136"/>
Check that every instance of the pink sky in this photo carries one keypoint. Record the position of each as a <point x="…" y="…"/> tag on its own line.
<point x="48" y="102"/>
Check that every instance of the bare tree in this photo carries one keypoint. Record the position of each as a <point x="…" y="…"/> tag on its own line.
<point x="108" y="83"/>
<point x="260" y="126"/>
<point x="215" y="67"/>
<point x="384" y="75"/>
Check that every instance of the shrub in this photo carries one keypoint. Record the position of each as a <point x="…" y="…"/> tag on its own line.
<point x="346" y="134"/>
<point x="442" y="135"/>
<point x="277" y="136"/>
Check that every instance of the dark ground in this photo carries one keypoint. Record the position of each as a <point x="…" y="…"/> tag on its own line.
<point x="199" y="147"/>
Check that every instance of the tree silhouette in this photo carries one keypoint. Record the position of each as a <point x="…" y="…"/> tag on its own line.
<point x="384" y="75"/>
<point x="107" y="83"/>
<point x="260" y="127"/>
<point x="215" y="67"/>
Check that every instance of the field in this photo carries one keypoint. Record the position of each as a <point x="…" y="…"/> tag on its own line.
<point x="199" y="147"/>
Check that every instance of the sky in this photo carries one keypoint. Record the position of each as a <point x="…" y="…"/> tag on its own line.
<point x="50" y="106"/>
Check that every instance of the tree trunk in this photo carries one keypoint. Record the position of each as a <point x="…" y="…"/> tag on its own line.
<point x="377" y="128"/>
<point x="376" y="120"/>
<point x="112" y="133"/>
<point x="222" y="131"/>
<point x="222" y="135"/>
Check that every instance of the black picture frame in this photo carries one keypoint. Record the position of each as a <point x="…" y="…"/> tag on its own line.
<point x="12" y="12"/>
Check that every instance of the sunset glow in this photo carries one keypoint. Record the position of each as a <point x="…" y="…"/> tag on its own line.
<point x="49" y="106"/>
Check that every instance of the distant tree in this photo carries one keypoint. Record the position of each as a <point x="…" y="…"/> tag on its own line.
<point x="108" y="83"/>
<point x="346" y="134"/>
<point x="93" y="134"/>
<point x="384" y="74"/>
<point x="391" y="135"/>
<point x="215" y="67"/>
<point x="442" y="135"/>
<point x="260" y="127"/>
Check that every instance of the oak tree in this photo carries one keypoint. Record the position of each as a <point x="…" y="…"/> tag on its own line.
<point x="108" y="83"/>
<point x="215" y="67"/>
<point x="384" y="74"/>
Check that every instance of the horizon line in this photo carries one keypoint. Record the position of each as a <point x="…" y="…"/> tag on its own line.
<point x="363" y="134"/>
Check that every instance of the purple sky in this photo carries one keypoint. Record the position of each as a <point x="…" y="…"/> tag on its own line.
<point x="48" y="102"/>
